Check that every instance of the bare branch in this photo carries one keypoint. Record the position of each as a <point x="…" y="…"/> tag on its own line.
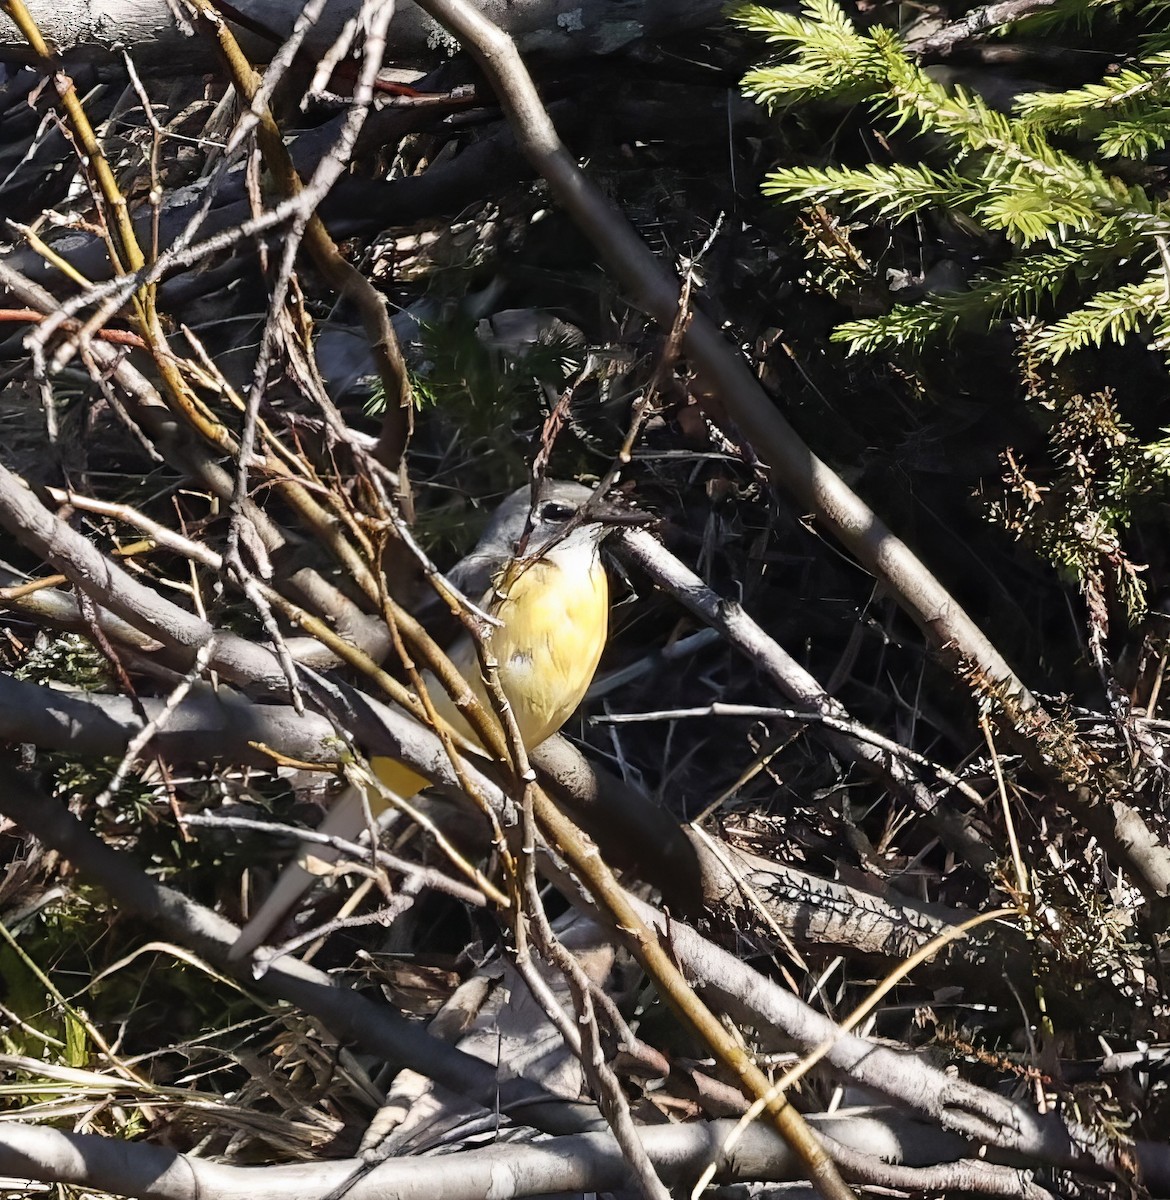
<point x="154" y="31"/>
<point x="586" y="1162"/>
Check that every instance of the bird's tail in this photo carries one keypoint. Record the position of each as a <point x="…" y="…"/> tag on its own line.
<point x="346" y="819"/>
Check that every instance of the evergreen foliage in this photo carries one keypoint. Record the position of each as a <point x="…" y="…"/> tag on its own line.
<point x="1077" y="516"/>
<point x="1045" y="178"/>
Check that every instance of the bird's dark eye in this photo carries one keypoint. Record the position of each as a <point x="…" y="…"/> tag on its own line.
<point x="552" y="511"/>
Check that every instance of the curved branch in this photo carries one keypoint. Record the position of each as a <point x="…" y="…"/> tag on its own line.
<point x="115" y="589"/>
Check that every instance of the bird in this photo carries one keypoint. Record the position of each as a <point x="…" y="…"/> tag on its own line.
<point x="538" y="568"/>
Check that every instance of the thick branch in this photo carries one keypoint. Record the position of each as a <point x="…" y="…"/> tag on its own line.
<point x="210" y="725"/>
<point x="148" y="28"/>
<point x="586" y="1162"/>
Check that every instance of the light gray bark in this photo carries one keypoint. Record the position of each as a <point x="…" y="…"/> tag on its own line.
<point x="95" y="30"/>
<point x="590" y="1162"/>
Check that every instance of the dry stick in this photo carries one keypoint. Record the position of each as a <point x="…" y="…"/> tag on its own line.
<point x="975" y="24"/>
<point x="567" y="1165"/>
<point x="392" y="906"/>
<point x="195" y="551"/>
<point x="125" y="252"/>
<point x="9" y="595"/>
<point x="390" y="612"/>
<point x="369" y="784"/>
<point x="61" y="611"/>
<point x="1025" y="897"/>
<point x="718" y="708"/>
<point x="232" y="656"/>
<point x="792" y="464"/>
<point x="209" y="725"/>
<point x="330" y="167"/>
<point x="427" y="876"/>
<point x="116" y="337"/>
<point x="147" y="733"/>
<point x="598" y="1071"/>
<point x="54" y="260"/>
<point x="586" y="1046"/>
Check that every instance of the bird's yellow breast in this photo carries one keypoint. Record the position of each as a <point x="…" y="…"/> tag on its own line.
<point x="553" y="615"/>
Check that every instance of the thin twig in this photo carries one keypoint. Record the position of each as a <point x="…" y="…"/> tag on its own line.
<point x="763" y="712"/>
<point x="427" y="876"/>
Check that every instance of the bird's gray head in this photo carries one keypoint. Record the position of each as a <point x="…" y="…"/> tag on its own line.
<point x="552" y="519"/>
<point x="544" y="522"/>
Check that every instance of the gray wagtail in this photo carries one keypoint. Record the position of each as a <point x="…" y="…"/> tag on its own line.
<point x="551" y="597"/>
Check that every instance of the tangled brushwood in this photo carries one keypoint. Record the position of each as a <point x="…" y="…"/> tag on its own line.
<point x="852" y="870"/>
